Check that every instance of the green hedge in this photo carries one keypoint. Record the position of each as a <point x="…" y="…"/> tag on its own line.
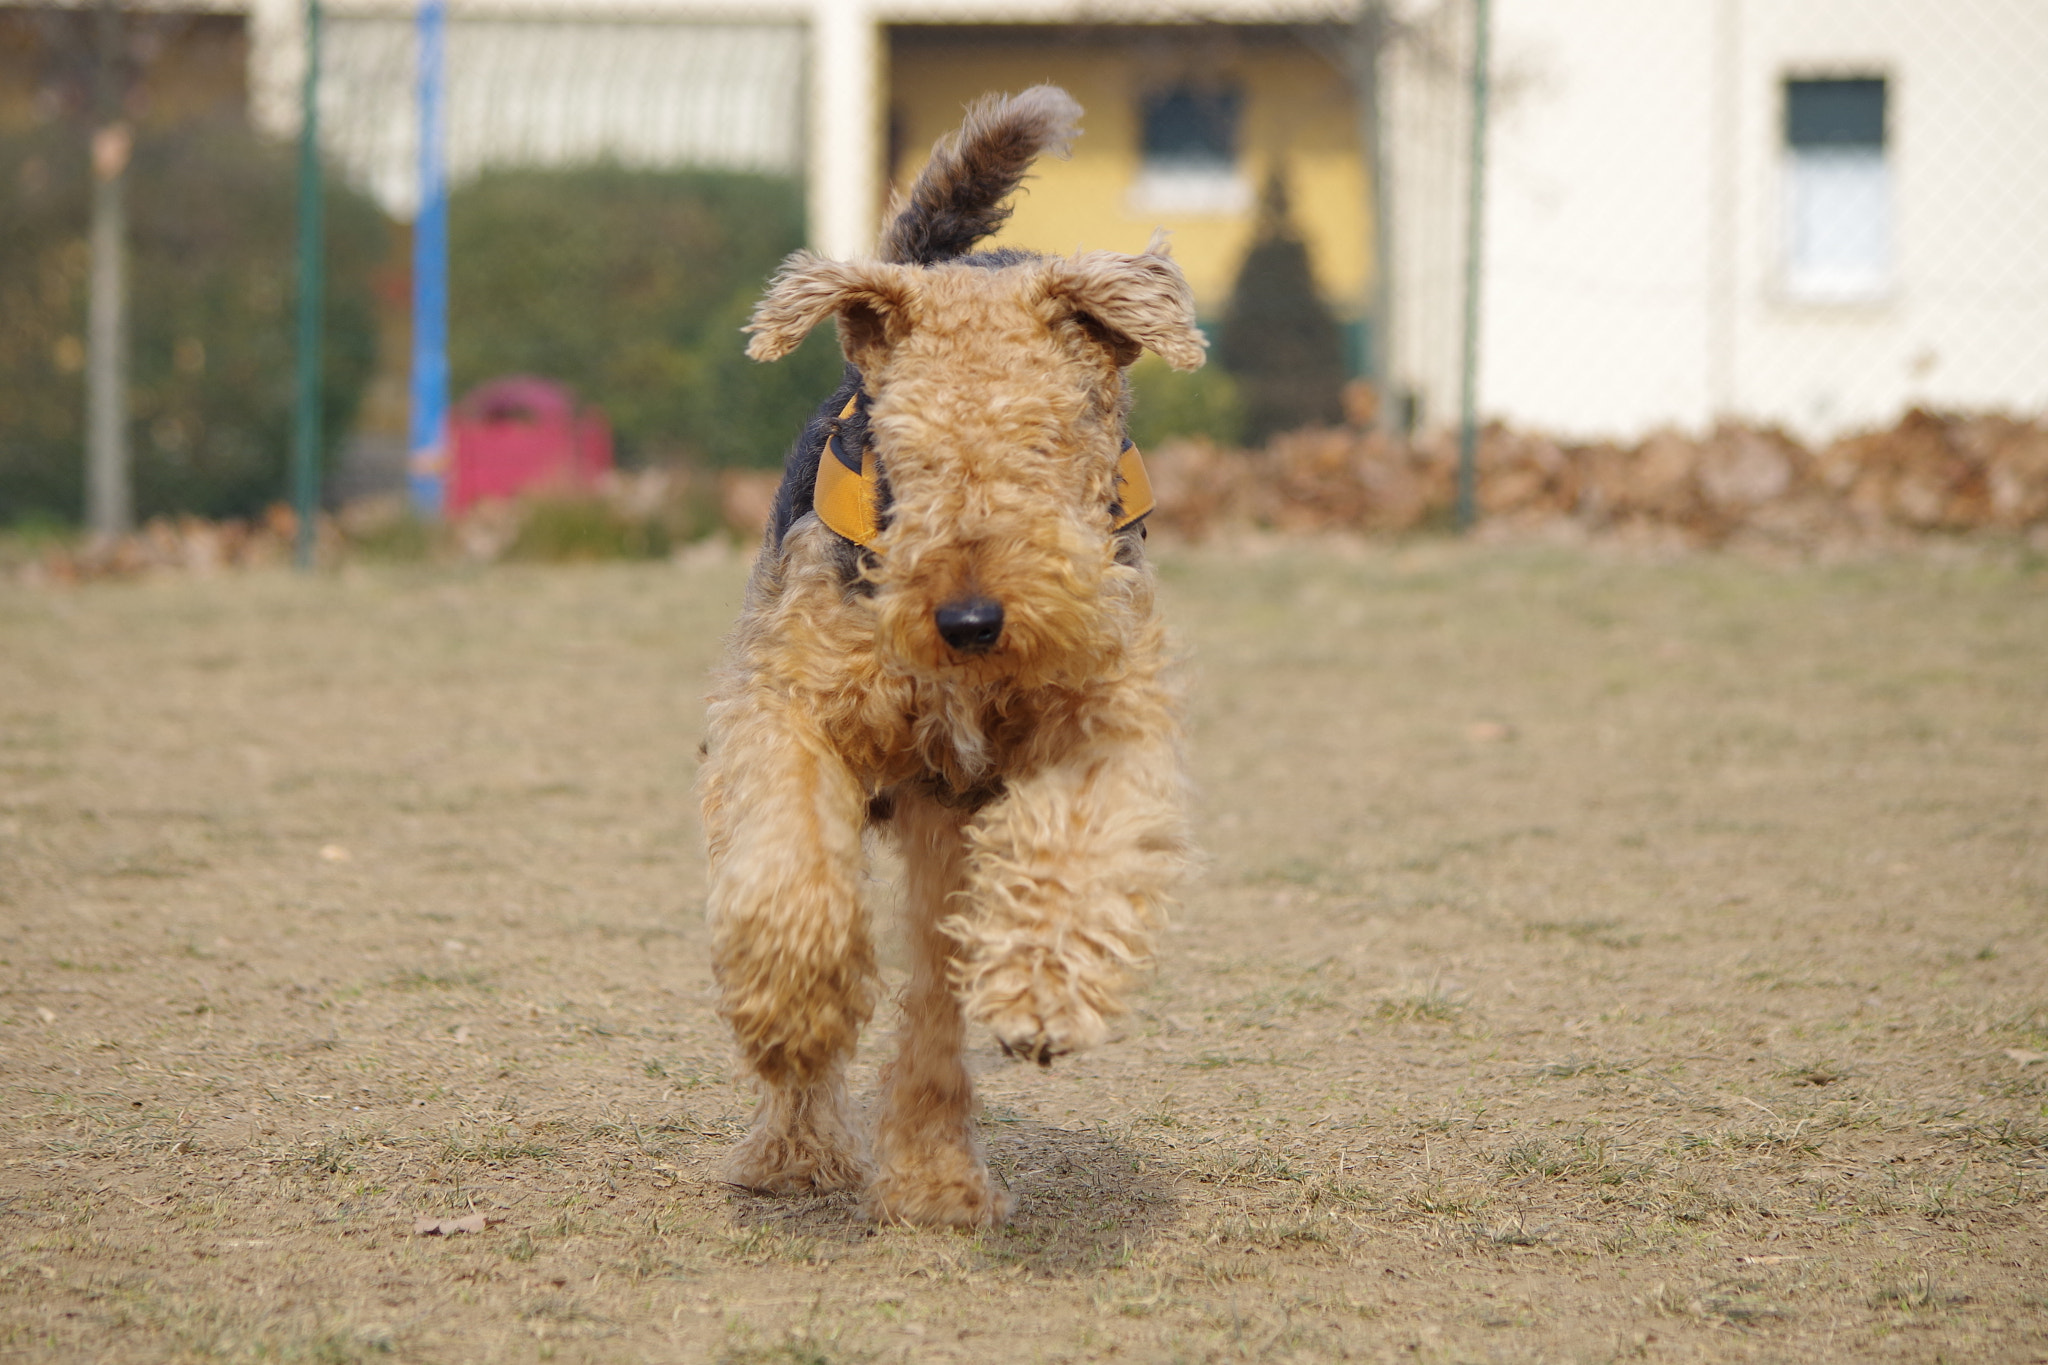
<point x="632" y="286"/>
<point x="1166" y="403"/>
<point x="212" y="215"/>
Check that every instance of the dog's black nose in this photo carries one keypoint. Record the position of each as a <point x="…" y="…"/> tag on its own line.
<point x="971" y="625"/>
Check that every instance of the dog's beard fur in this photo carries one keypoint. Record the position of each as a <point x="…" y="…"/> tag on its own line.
<point x="1048" y="576"/>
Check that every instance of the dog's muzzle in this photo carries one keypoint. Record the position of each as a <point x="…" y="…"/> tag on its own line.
<point x="971" y="625"/>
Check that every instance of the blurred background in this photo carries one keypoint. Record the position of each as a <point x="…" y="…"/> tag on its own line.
<point x="1693" y="263"/>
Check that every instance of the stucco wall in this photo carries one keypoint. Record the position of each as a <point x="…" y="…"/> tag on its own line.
<point x="1634" y="237"/>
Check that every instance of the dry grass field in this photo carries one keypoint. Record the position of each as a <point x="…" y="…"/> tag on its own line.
<point x="1599" y="957"/>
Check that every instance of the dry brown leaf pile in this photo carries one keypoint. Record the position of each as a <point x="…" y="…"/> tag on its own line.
<point x="1930" y="473"/>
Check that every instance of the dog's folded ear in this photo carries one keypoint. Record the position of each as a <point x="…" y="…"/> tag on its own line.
<point x="1140" y="301"/>
<point x="870" y="299"/>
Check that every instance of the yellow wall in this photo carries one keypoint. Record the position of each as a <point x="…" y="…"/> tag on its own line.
<point x="1298" y="111"/>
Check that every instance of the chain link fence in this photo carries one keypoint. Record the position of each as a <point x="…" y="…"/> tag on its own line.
<point x="1803" y="215"/>
<point x="649" y="94"/>
<point x="1812" y="215"/>
<point x="595" y="242"/>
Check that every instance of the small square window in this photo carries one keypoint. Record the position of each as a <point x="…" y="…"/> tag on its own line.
<point x="1835" y="113"/>
<point x="1189" y="161"/>
<point x="1837" y="191"/>
<point x="1192" y="127"/>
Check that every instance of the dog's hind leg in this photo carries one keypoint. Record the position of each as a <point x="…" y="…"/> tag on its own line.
<point x="790" y="942"/>
<point x="929" y="1167"/>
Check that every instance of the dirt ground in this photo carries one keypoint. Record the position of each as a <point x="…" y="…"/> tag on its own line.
<point x="1598" y="957"/>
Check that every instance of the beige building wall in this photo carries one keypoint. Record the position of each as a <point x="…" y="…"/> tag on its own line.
<point x="1636" y="259"/>
<point x="1298" y="116"/>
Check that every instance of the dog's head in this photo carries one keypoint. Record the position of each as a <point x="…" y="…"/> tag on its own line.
<point x="996" y="416"/>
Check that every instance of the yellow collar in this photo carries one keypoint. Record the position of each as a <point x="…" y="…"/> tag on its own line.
<point x="847" y="502"/>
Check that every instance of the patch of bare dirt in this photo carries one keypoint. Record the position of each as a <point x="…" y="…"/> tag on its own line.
<point x="1598" y="958"/>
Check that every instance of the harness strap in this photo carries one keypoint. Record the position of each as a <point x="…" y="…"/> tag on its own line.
<point x="846" y="499"/>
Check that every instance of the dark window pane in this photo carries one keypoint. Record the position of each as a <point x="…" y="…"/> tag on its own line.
<point x="1835" y="113"/>
<point x="1191" y="125"/>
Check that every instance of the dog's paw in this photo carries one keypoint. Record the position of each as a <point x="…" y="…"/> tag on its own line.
<point x="770" y="1163"/>
<point x="944" y="1193"/>
<point x="1037" y="1048"/>
<point x="779" y="1169"/>
<point x="1038" y="1009"/>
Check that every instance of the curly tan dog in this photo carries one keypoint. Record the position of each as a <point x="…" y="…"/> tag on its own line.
<point x="949" y="638"/>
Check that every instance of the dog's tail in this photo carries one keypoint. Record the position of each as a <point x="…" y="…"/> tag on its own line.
<point x="963" y="193"/>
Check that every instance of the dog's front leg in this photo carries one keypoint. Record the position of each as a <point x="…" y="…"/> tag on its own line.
<point x="929" y="1167"/>
<point x="790" y="942"/>
<point x="1068" y="875"/>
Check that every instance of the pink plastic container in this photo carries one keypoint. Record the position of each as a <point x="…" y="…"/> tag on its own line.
<point x="521" y="434"/>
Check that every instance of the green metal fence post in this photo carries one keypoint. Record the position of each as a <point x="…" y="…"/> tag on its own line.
<point x="312" y="286"/>
<point x="110" y="474"/>
<point x="1370" y="32"/>
<point x="1475" y="237"/>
